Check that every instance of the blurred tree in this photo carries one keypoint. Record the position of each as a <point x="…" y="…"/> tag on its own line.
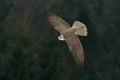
<point x="29" y="49"/>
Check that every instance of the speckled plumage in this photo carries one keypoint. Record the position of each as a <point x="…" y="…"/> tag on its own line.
<point x="70" y="36"/>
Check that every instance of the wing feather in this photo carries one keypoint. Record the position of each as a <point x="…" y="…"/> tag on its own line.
<point x="58" y="23"/>
<point x="76" y="49"/>
<point x="72" y="40"/>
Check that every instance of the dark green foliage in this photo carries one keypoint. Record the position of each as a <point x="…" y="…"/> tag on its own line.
<point x="30" y="50"/>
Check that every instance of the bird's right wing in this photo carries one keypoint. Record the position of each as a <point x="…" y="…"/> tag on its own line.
<point x="58" y="23"/>
<point x="76" y="49"/>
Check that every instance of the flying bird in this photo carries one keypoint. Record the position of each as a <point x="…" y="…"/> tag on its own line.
<point x="69" y="34"/>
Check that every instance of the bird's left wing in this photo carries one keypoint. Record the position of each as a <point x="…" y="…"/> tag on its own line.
<point x="76" y="49"/>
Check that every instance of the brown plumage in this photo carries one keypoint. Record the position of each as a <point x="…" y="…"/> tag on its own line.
<point x="69" y="34"/>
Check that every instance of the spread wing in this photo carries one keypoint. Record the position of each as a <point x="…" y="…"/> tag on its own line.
<point x="58" y="23"/>
<point x="73" y="42"/>
<point x="76" y="49"/>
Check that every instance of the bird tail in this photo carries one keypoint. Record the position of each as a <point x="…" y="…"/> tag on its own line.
<point x="80" y="28"/>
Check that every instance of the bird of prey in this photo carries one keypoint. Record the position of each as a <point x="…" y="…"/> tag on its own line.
<point x="69" y="34"/>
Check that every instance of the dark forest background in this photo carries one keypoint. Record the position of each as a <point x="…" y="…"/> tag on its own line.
<point x="30" y="50"/>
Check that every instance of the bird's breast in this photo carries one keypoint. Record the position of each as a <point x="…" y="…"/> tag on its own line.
<point x="69" y="33"/>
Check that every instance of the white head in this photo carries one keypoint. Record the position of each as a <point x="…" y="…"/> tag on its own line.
<point x="61" y="37"/>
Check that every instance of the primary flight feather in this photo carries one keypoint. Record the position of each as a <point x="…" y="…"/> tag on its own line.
<point x="69" y="34"/>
